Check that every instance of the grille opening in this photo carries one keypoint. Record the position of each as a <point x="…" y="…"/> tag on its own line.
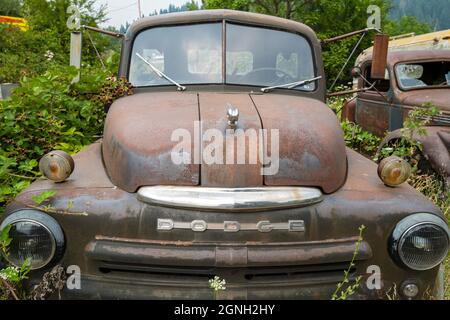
<point x="247" y="273"/>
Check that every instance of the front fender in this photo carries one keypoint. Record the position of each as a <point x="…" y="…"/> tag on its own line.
<point x="436" y="147"/>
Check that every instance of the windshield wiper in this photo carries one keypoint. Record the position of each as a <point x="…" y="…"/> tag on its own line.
<point x="291" y="85"/>
<point x="161" y="74"/>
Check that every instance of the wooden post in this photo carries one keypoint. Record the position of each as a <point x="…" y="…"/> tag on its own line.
<point x="75" y="52"/>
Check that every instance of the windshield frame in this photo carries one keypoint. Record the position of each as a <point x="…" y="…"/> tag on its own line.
<point x="223" y="82"/>
<point x="402" y="88"/>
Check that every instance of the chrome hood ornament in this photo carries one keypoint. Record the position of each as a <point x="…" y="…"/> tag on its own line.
<point x="233" y="116"/>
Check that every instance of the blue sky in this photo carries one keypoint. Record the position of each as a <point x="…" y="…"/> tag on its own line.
<point x="120" y="11"/>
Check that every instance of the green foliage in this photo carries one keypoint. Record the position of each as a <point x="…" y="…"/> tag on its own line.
<point x="433" y="12"/>
<point x="407" y="146"/>
<point x="345" y="288"/>
<point x="43" y="196"/>
<point x="243" y="5"/>
<point x="11" y="277"/>
<point x="71" y="113"/>
<point x="16" y="275"/>
<point x="5" y="240"/>
<point x="407" y="24"/>
<point x="28" y="53"/>
<point x="10" y="8"/>
<point x="357" y="139"/>
<point x="47" y="43"/>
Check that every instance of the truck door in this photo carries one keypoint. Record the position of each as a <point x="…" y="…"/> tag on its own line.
<point x="372" y="108"/>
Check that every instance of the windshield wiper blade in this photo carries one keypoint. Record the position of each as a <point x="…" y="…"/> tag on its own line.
<point x="291" y="85"/>
<point x="161" y="74"/>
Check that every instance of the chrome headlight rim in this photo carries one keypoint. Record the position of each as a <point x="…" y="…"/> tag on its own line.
<point x="402" y="229"/>
<point x="48" y="223"/>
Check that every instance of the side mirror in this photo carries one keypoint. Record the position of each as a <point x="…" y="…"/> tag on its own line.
<point x="379" y="56"/>
<point x="355" y="72"/>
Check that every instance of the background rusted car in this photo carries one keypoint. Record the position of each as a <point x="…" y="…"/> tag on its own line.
<point x="414" y="78"/>
<point x="140" y="226"/>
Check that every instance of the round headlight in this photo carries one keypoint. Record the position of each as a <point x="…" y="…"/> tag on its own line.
<point x="35" y="236"/>
<point x="420" y="241"/>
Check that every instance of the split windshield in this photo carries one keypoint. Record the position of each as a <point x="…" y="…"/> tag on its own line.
<point x="193" y="54"/>
<point x="423" y="74"/>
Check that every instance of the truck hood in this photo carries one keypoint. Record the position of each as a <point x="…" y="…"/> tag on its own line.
<point x="180" y="138"/>
<point x="439" y="97"/>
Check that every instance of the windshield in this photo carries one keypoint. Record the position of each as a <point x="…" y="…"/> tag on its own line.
<point x="423" y="74"/>
<point x="190" y="54"/>
<point x="193" y="54"/>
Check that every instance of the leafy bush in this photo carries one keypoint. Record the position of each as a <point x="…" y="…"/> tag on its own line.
<point x="71" y="113"/>
<point x="359" y="140"/>
<point x="28" y="53"/>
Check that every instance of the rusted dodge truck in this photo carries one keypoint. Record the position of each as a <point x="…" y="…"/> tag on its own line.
<point x="417" y="75"/>
<point x="145" y="214"/>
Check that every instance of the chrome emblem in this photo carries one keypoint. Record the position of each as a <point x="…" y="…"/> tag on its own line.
<point x="231" y="226"/>
<point x="198" y="225"/>
<point x="233" y="116"/>
<point x="264" y="226"/>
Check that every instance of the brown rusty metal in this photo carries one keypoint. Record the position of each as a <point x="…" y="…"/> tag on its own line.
<point x="138" y="146"/>
<point x="435" y="145"/>
<point x="226" y="256"/>
<point x="308" y="155"/>
<point x="374" y="115"/>
<point x="213" y="115"/>
<point x="345" y="36"/>
<point x="120" y="250"/>
<point x="438" y="97"/>
<point x="379" y="58"/>
<point x="107" y="32"/>
<point x="348" y="110"/>
<point x="118" y="219"/>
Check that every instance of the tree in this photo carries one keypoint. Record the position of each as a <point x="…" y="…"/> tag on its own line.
<point x="47" y="42"/>
<point x="407" y="24"/>
<point x="434" y="12"/>
<point x="243" y="5"/>
<point x="10" y="8"/>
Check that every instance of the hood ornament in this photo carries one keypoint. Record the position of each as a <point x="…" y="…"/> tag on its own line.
<point x="233" y="116"/>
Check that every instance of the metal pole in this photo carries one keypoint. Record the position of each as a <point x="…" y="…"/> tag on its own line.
<point x="346" y="62"/>
<point x="75" y="52"/>
<point x="139" y="7"/>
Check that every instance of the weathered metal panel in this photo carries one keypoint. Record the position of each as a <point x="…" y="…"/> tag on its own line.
<point x="213" y="114"/>
<point x="309" y="155"/>
<point x="138" y="146"/>
<point x="379" y="58"/>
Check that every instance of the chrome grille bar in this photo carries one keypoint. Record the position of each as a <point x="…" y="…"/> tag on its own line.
<point x="230" y="199"/>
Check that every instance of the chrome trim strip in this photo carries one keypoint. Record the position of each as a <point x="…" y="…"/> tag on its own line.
<point x="230" y="226"/>
<point x="229" y="199"/>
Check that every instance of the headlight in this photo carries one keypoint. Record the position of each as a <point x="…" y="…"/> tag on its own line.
<point x="420" y="241"/>
<point x="35" y="235"/>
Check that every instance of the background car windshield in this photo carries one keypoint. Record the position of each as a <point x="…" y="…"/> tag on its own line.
<point x="188" y="54"/>
<point x="266" y="57"/>
<point x="423" y="74"/>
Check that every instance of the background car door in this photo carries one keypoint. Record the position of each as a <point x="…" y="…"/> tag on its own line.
<point x="372" y="107"/>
